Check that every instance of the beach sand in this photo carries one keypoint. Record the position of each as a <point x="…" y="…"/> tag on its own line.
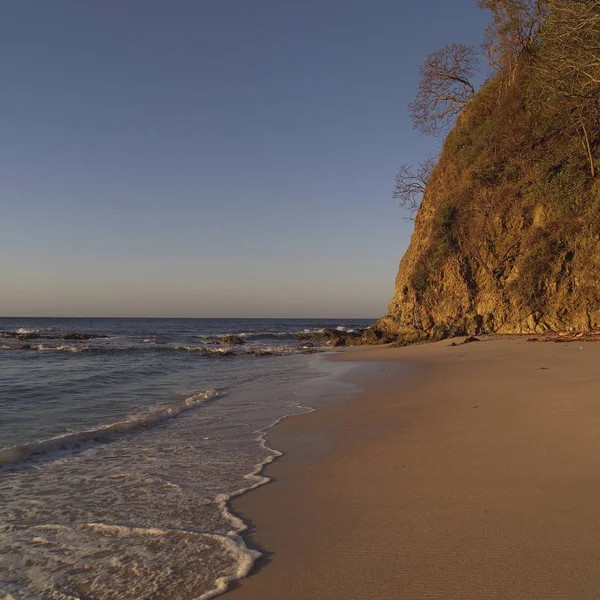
<point x="476" y="476"/>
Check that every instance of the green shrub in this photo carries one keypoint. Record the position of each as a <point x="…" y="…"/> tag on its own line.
<point x="419" y="279"/>
<point x="536" y="267"/>
<point x="563" y="182"/>
<point x="442" y="245"/>
<point x="486" y="174"/>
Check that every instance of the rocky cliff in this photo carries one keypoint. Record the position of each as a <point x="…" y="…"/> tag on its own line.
<point x="507" y="237"/>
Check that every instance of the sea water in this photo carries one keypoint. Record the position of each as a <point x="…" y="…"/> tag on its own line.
<point x="122" y="440"/>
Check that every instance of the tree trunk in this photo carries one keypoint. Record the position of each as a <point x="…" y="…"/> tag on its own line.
<point x="588" y="148"/>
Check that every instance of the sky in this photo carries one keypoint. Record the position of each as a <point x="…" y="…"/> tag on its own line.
<point x="196" y="158"/>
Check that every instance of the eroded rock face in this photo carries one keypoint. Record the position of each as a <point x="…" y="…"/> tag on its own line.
<point x="501" y="244"/>
<point x="480" y="288"/>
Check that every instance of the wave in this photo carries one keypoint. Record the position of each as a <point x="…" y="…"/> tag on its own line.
<point x="21" y="452"/>
<point x="38" y="334"/>
<point x="255" y="335"/>
<point x="204" y="351"/>
<point x="72" y="349"/>
<point x="24" y="330"/>
<point x="42" y="348"/>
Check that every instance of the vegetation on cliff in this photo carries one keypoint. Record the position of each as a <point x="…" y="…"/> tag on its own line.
<point x="507" y="236"/>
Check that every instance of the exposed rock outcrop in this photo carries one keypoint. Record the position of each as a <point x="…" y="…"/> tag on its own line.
<point x="334" y="337"/>
<point x="507" y="238"/>
<point x="232" y="340"/>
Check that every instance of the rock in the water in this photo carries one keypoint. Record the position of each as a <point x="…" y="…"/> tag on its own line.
<point x="15" y="335"/>
<point x="218" y="353"/>
<point x="263" y="353"/>
<point x="81" y="336"/>
<point x="232" y="340"/>
<point x="336" y="338"/>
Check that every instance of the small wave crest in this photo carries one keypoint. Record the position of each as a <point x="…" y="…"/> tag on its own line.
<point x="204" y="351"/>
<point x="258" y="335"/>
<point x="21" y="452"/>
<point x="42" y="348"/>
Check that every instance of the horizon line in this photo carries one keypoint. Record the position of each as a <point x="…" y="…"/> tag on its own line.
<point x="215" y="318"/>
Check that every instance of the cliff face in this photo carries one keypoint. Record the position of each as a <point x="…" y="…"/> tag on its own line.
<point x="507" y="238"/>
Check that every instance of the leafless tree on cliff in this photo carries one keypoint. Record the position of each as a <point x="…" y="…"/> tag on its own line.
<point x="444" y="88"/>
<point x="411" y="184"/>
<point x="512" y="32"/>
<point x="568" y="67"/>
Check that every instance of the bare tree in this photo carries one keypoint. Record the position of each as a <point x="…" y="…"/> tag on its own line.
<point x="444" y="88"/>
<point x="568" y="67"/>
<point x="512" y="32"/>
<point x="411" y="185"/>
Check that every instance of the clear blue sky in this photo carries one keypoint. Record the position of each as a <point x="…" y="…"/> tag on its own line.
<point x="209" y="158"/>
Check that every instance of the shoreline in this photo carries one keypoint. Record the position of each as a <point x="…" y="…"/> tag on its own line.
<point x="448" y="482"/>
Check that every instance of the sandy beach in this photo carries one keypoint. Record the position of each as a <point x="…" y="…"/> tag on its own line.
<point x="473" y="474"/>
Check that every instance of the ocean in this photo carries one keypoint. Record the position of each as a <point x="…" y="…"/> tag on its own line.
<point x="122" y="440"/>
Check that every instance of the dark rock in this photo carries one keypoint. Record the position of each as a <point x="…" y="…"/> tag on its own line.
<point x="217" y="354"/>
<point x="372" y="336"/>
<point x="80" y="336"/>
<point x="232" y="340"/>
<point x="335" y="338"/>
<point x="15" y="335"/>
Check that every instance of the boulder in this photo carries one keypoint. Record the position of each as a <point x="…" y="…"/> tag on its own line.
<point x="336" y="338"/>
<point x="372" y="336"/>
<point x="232" y="340"/>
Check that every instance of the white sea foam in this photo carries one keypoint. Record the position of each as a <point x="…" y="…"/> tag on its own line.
<point x="246" y="557"/>
<point x="42" y="348"/>
<point x="265" y="334"/>
<point x="245" y="560"/>
<point x="108" y="549"/>
<point x="21" y="452"/>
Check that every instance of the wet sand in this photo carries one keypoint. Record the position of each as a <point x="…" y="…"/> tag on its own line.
<point x="476" y="476"/>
